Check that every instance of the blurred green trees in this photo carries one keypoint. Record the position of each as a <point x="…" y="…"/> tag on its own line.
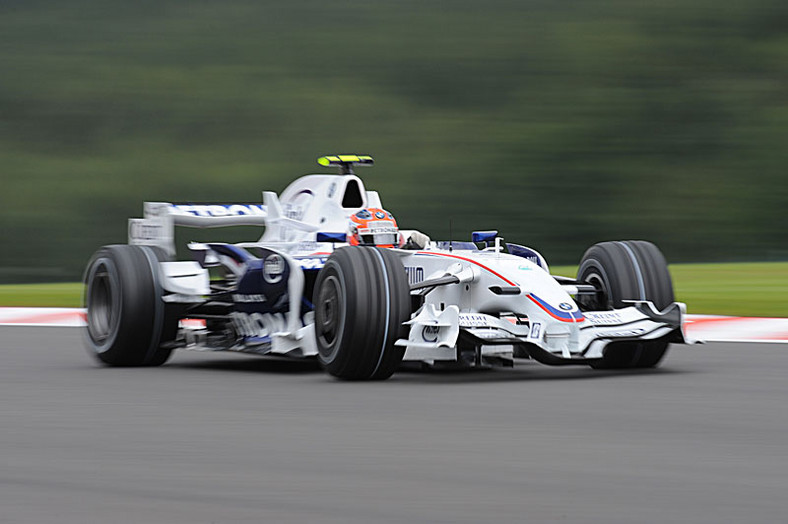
<point x="560" y="123"/>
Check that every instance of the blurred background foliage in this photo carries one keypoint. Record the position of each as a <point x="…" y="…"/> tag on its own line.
<point x="559" y="123"/>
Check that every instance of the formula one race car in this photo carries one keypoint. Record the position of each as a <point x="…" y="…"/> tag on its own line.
<point x="334" y="277"/>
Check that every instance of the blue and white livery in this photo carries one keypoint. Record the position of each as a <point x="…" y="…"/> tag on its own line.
<point x="478" y="303"/>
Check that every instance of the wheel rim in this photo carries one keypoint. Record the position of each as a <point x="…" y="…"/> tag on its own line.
<point x="329" y="317"/>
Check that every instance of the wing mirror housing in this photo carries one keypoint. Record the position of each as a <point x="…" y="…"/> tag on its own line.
<point x="483" y="236"/>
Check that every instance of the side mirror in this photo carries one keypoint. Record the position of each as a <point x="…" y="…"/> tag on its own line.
<point x="483" y="236"/>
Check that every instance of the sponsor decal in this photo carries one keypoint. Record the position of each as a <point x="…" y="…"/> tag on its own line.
<point x="219" y="210"/>
<point x="293" y="212"/>
<point x="430" y="333"/>
<point x="626" y="333"/>
<point x="566" y="306"/>
<point x="311" y="263"/>
<point x="332" y="189"/>
<point x="295" y="208"/>
<point x="142" y="230"/>
<point x="524" y="252"/>
<point x="536" y="330"/>
<point x="248" y="299"/>
<point x="382" y="226"/>
<point x="258" y="326"/>
<point x="307" y="245"/>
<point x="273" y="268"/>
<point x="525" y="268"/>
<point x="605" y="318"/>
<point x="415" y="274"/>
<point x="491" y="333"/>
<point x="474" y="320"/>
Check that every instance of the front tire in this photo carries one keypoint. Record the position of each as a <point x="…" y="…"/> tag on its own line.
<point x="126" y="317"/>
<point x="361" y="299"/>
<point x="627" y="270"/>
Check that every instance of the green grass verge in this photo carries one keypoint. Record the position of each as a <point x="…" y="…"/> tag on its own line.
<point x="41" y="295"/>
<point x="757" y="289"/>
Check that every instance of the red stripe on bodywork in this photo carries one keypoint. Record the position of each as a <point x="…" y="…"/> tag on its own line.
<point x="472" y="262"/>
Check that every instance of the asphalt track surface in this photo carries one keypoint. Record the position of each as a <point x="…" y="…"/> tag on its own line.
<point x="232" y="438"/>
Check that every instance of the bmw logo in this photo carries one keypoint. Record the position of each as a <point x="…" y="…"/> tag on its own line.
<point x="566" y="306"/>
<point x="380" y="214"/>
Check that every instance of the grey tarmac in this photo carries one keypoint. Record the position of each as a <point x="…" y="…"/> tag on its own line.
<point x="216" y="437"/>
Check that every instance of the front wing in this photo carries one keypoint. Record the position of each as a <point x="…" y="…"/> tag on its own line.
<point x="438" y="335"/>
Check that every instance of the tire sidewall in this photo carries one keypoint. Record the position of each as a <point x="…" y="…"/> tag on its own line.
<point x="103" y="260"/>
<point x="374" y="302"/>
<point x="627" y="270"/>
<point x="137" y="311"/>
<point x="331" y="271"/>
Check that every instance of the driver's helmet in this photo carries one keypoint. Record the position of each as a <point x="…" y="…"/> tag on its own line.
<point x="373" y="227"/>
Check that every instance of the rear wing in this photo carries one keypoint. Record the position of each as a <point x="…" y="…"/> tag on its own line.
<point x="311" y="203"/>
<point x="157" y="227"/>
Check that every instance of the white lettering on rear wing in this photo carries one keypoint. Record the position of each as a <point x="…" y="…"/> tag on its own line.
<point x="160" y="219"/>
<point x="209" y="215"/>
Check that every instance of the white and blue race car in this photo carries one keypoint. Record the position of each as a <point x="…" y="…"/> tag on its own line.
<point x="319" y="283"/>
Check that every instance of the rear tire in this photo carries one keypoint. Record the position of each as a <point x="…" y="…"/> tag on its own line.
<point x="627" y="270"/>
<point x="127" y="321"/>
<point x="362" y="299"/>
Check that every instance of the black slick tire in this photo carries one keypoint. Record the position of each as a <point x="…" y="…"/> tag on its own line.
<point x="361" y="299"/>
<point x="127" y="320"/>
<point x="627" y="270"/>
